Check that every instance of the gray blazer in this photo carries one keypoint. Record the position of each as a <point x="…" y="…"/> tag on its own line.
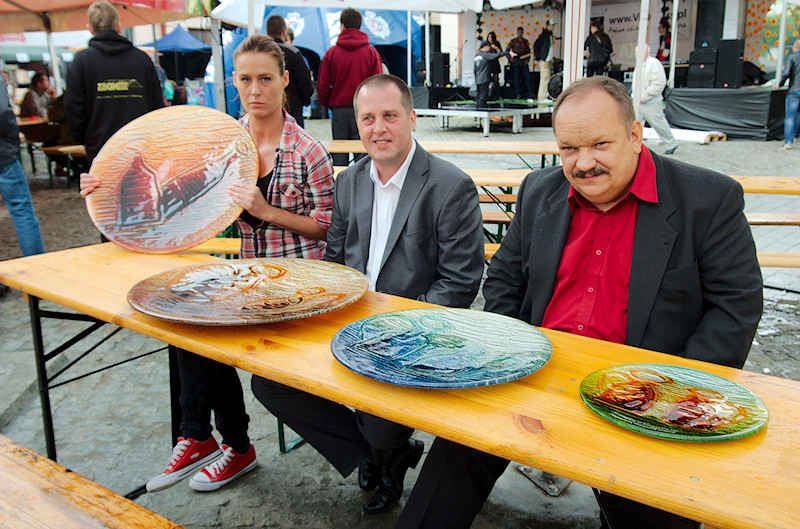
<point x="695" y="285"/>
<point x="434" y="252"/>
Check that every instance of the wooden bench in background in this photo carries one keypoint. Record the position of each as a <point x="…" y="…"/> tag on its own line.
<point x="38" y="493"/>
<point x="230" y="246"/>
<point x="513" y="178"/>
<point x="72" y="153"/>
<point x="516" y="148"/>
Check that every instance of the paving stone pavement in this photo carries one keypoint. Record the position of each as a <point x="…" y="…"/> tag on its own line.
<point x="114" y="427"/>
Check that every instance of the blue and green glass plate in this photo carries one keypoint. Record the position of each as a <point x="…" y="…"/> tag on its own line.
<point x="674" y="402"/>
<point x="442" y="348"/>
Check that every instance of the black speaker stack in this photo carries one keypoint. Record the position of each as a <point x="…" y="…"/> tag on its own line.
<point x="436" y="38"/>
<point x="440" y="62"/>
<point x="715" y="62"/>
<point x="708" y="28"/>
<point x="730" y="63"/>
<point x="702" y="68"/>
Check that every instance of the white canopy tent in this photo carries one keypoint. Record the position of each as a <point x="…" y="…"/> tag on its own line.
<point x="248" y="13"/>
<point x="54" y="16"/>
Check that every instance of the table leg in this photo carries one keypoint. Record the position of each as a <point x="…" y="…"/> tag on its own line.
<point x="516" y="124"/>
<point x="486" y="121"/>
<point x="41" y="376"/>
<point x="174" y="393"/>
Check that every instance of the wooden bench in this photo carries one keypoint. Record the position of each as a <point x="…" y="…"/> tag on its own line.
<point x="751" y="184"/>
<point x="765" y="259"/>
<point x="72" y="152"/>
<point x="38" y="493"/>
<point x="508" y="179"/>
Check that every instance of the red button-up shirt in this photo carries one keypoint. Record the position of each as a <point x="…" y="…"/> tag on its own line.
<point x="591" y="290"/>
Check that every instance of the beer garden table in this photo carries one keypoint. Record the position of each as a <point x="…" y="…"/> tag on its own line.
<point x="538" y="420"/>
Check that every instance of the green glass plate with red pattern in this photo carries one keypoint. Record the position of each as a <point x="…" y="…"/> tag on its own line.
<point x="674" y="402"/>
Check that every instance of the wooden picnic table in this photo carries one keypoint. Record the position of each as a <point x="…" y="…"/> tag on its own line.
<point x="538" y="420"/>
<point x="38" y="493"/>
<point x="28" y="122"/>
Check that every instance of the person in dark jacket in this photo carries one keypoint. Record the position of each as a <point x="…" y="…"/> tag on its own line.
<point x="544" y="51"/>
<point x="519" y="67"/>
<point x="483" y="63"/>
<point x="13" y="184"/>
<point x="791" y="123"/>
<point x="109" y="84"/>
<point x="494" y="67"/>
<point x="300" y="87"/>
<point x="342" y="69"/>
<point x="597" y="49"/>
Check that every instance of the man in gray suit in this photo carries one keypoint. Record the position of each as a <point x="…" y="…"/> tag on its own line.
<point x="618" y="244"/>
<point x="410" y="222"/>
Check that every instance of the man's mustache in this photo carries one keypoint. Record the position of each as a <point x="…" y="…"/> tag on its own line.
<point x="595" y="171"/>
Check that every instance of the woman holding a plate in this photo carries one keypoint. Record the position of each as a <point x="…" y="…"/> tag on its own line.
<point x="287" y="213"/>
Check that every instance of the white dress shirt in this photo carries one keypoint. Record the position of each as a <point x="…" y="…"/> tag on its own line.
<point x="384" y="203"/>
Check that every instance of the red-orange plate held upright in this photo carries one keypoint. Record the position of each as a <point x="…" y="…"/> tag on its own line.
<point x="164" y="179"/>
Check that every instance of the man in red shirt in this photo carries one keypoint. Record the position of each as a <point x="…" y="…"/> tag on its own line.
<point x="342" y="69"/>
<point x="618" y="244"/>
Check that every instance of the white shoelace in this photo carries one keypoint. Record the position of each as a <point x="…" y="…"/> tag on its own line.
<point x="216" y="468"/>
<point x="178" y="452"/>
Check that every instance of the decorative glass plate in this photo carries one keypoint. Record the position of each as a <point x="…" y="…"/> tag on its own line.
<point x="164" y="178"/>
<point x="442" y="348"/>
<point x="673" y="402"/>
<point x="248" y="291"/>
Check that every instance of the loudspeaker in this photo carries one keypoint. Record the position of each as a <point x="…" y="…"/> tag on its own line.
<point x="700" y="76"/>
<point x="730" y="63"/>
<point x="702" y="68"/>
<point x="508" y="76"/>
<point x="436" y="39"/>
<point x="440" y="68"/>
<point x="708" y="27"/>
<point x="420" y="73"/>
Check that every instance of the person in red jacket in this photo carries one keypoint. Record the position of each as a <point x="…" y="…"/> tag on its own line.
<point x="342" y="69"/>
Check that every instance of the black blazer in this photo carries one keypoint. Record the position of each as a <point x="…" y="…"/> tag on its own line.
<point x="695" y="283"/>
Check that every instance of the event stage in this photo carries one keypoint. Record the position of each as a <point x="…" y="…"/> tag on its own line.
<point x="753" y="113"/>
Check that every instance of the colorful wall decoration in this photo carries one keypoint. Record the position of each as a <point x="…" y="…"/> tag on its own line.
<point x="762" y="31"/>
<point x="505" y="24"/>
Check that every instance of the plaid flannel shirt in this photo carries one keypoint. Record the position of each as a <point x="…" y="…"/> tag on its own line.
<point x="520" y="47"/>
<point x="301" y="183"/>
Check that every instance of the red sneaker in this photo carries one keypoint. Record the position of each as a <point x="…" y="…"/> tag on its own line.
<point x="230" y="466"/>
<point x="187" y="457"/>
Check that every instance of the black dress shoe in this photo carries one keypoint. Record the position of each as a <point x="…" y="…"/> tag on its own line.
<point x="390" y="485"/>
<point x="368" y="475"/>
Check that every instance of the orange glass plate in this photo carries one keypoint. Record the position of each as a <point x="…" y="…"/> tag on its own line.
<point x="674" y="402"/>
<point x="248" y="291"/>
<point x="164" y="179"/>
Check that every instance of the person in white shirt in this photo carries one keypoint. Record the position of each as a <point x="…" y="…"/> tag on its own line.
<point x="651" y="107"/>
<point x="411" y="223"/>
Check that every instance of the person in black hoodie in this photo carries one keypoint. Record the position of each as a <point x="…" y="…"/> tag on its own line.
<point x="109" y="84"/>
<point x="300" y="88"/>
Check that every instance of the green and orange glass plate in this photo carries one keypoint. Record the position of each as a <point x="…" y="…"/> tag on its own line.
<point x="674" y="402"/>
